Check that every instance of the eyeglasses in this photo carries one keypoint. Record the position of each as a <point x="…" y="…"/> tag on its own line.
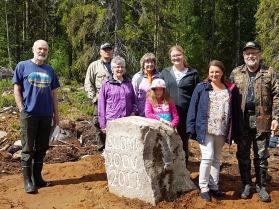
<point x="251" y="53"/>
<point x="176" y="55"/>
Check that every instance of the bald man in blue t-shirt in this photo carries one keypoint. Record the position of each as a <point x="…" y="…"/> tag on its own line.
<point x="35" y="85"/>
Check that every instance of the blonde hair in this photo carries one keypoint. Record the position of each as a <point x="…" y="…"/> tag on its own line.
<point x="181" y="50"/>
<point x="147" y="56"/>
<point x="152" y="97"/>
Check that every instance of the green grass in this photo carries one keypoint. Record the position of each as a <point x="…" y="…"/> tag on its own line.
<point x="73" y="102"/>
<point x="6" y="93"/>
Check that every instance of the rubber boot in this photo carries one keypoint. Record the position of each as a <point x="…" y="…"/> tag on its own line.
<point x="261" y="188"/>
<point x="29" y="187"/>
<point x="37" y="175"/>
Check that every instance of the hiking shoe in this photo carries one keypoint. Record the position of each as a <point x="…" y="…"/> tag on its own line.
<point x="264" y="196"/>
<point x="216" y="193"/>
<point x="246" y="192"/>
<point x="206" y="196"/>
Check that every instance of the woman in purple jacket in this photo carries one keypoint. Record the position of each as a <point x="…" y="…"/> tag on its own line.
<point x="116" y="97"/>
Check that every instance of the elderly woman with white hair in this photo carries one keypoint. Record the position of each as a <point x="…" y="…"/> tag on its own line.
<point x="116" y="97"/>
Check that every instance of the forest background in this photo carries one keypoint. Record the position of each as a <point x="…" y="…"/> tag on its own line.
<point x="207" y="29"/>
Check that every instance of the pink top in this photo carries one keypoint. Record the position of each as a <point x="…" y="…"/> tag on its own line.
<point x="163" y="110"/>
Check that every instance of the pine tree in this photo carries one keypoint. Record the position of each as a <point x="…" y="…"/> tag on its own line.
<point x="268" y="30"/>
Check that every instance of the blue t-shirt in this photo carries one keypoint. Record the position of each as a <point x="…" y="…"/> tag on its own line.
<point x="37" y="83"/>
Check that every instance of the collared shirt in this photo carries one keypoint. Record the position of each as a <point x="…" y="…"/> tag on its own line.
<point x="179" y="74"/>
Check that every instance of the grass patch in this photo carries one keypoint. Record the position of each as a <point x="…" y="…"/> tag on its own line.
<point x="6" y="93"/>
<point x="73" y="101"/>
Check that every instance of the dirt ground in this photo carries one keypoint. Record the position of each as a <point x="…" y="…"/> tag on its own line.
<point x="83" y="185"/>
<point x="80" y="182"/>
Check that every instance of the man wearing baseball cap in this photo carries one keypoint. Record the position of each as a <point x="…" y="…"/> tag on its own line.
<point x="96" y="73"/>
<point x="259" y="89"/>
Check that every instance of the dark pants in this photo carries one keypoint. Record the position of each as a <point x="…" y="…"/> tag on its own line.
<point x="258" y="141"/>
<point x="35" y="133"/>
<point x="181" y="129"/>
<point x="100" y="136"/>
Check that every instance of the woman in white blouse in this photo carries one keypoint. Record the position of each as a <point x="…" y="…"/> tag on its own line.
<point x="213" y="119"/>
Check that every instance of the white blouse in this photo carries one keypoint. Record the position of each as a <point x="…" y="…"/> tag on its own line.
<point x="218" y="112"/>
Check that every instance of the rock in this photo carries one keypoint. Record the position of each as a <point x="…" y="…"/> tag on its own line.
<point x="17" y="155"/>
<point x="3" y="134"/>
<point x="5" y="73"/>
<point x="144" y="159"/>
<point x="67" y="124"/>
<point x="14" y="148"/>
<point x="18" y="143"/>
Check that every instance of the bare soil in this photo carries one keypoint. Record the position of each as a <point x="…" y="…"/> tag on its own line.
<point x="81" y="182"/>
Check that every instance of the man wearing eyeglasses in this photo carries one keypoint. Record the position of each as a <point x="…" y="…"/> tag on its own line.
<point x="259" y="90"/>
<point x="96" y="73"/>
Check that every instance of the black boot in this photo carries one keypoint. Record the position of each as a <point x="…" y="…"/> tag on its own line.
<point x="245" y="173"/>
<point x="37" y="175"/>
<point x="261" y="188"/>
<point x="29" y="187"/>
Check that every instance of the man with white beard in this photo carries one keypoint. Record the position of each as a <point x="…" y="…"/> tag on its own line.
<point x="259" y="89"/>
<point x="35" y="85"/>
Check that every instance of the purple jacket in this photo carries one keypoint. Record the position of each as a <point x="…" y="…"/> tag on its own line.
<point x="141" y="86"/>
<point x="116" y="100"/>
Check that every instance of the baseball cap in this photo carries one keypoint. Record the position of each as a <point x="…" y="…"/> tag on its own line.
<point x="252" y="45"/>
<point x="106" y="46"/>
<point x="158" y="83"/>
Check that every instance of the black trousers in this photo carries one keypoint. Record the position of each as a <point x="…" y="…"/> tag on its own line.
<point x="35" y="133"/>
<point x="258" y="142"/>
<point x="181" y="129"/>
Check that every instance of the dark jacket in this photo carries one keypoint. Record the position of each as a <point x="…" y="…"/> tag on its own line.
<point x="180" y="93"/>
<point x="198" y="112"/>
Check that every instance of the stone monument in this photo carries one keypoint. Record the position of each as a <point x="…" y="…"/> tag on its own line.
<point x="144" y="159"/>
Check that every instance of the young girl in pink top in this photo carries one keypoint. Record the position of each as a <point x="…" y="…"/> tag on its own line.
<point x="159" y="105"/>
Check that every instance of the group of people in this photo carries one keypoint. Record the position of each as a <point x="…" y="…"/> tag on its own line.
<point x="215" y="111"/>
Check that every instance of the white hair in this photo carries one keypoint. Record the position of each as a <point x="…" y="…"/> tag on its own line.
<point x="118" y="61"/>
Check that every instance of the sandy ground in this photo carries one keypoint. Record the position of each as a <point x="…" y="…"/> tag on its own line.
<point x="83" y="185"/>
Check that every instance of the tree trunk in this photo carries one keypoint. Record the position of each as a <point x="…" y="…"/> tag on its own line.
<point x="118" y="14"/>
<point x="212" y="30"/>
<point x="238" y="34"/>
<point x="8" y="36"/>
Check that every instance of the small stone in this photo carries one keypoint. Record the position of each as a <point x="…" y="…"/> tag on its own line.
<point x="17" y="155"/>
<point x="3" y="134"/>
<point x="18" y="143"/>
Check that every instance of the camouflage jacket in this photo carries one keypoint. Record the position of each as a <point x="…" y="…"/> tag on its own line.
<point x="266" y="94"/>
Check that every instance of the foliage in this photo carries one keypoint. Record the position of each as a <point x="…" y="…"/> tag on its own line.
<point x="213" y="29"/>
<point x="268" y="27"/>
<point x="6" y="93"/>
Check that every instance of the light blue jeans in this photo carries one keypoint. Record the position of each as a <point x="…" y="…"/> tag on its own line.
<point x="211" y="152"/>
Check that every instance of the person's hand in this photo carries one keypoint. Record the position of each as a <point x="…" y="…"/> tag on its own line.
<point x="132" y="114"/>
<point x="103" y="130"/>
<point x="274" y="125"/>
<point x="55" y="119"/>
